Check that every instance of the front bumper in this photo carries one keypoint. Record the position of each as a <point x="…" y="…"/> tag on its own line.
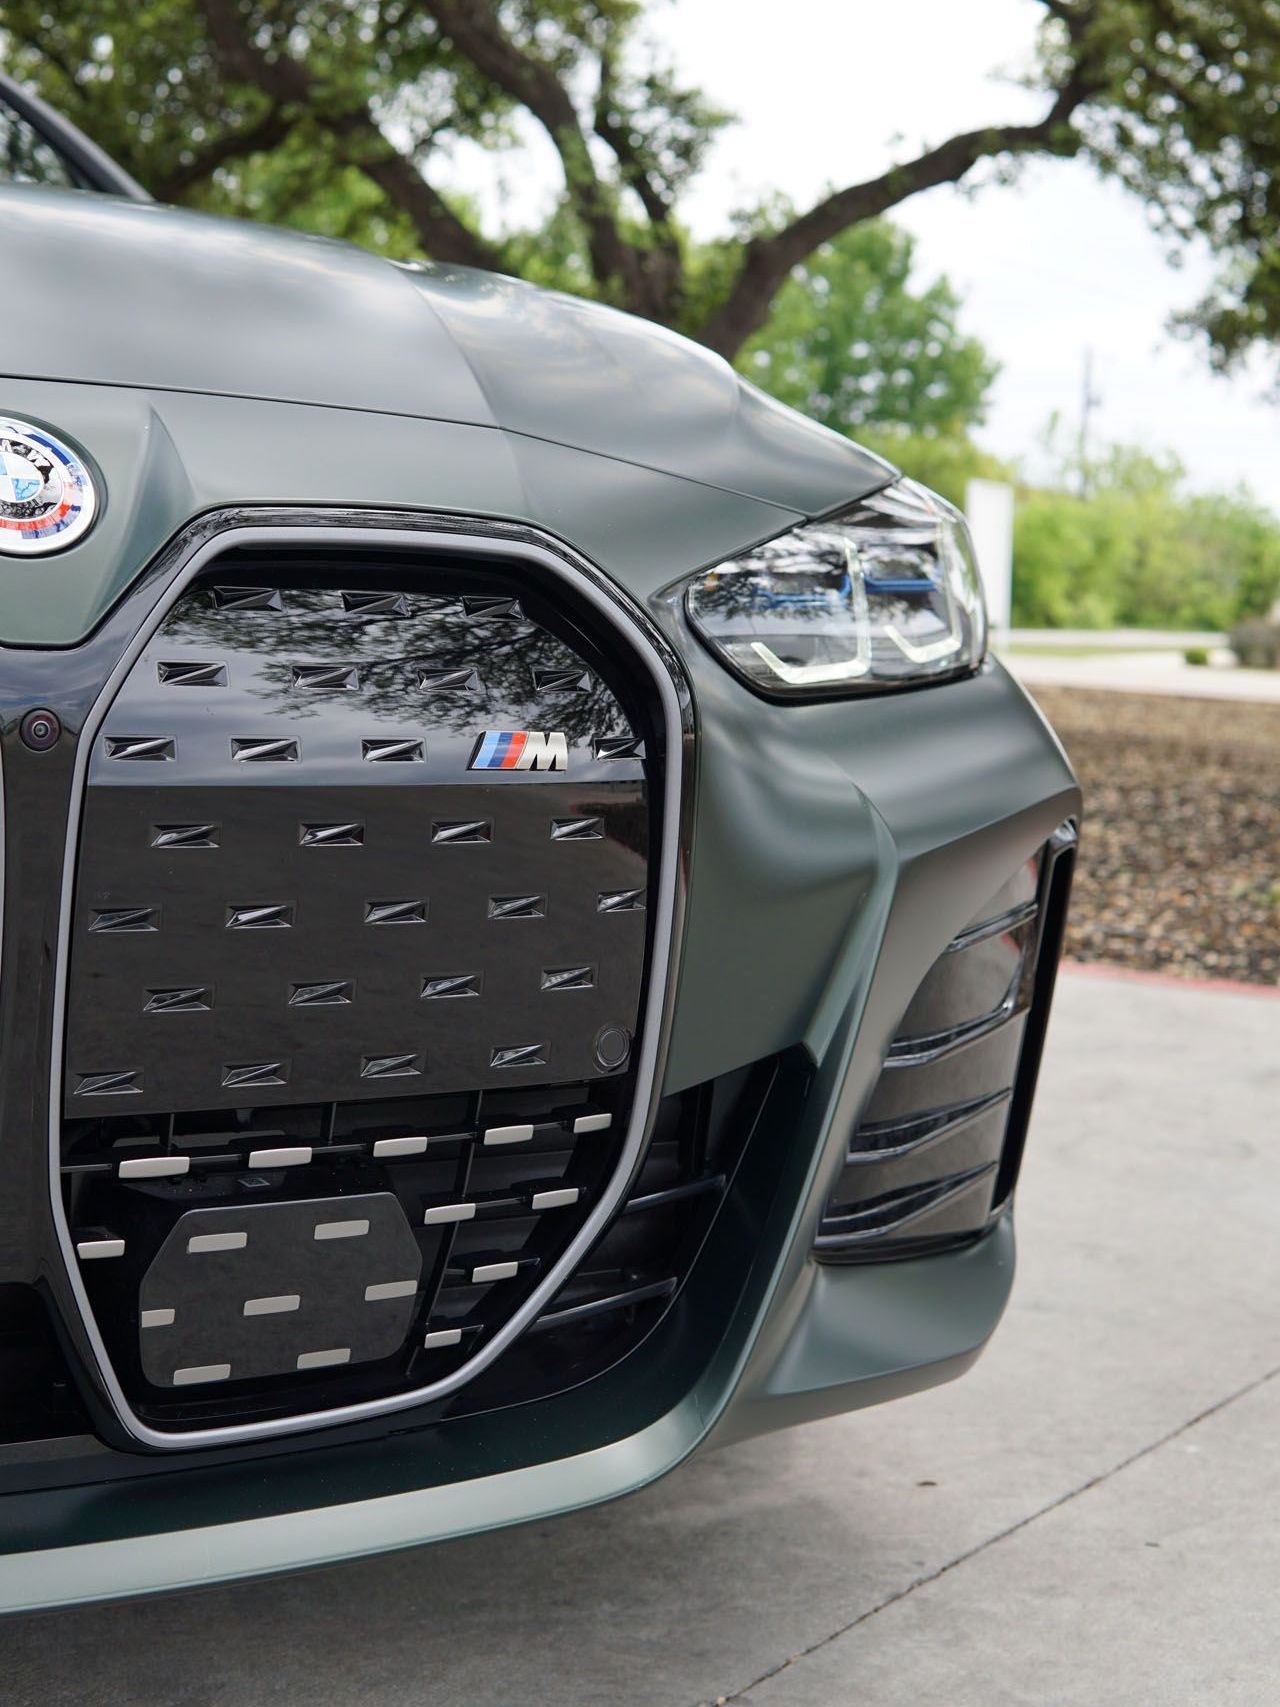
<point x="845" y="1339"/>
<point x="832" y="852"/>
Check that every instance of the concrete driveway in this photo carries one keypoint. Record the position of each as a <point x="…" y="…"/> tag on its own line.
<point x="1090" y="1516"/>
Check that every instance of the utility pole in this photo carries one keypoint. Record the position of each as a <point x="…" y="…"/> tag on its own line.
<point x="1089" y="401"/>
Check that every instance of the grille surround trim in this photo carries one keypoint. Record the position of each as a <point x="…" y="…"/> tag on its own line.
<point x="186" y="559"/>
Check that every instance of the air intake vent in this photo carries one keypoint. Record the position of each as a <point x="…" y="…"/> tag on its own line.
<point x="634" y="1274"/>
<point x="935" y="1154"/>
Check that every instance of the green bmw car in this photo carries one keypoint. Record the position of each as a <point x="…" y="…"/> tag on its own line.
<point x="530" y="914"/>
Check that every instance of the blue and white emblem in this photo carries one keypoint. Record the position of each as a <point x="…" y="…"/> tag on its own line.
<point x="47" y="496"/>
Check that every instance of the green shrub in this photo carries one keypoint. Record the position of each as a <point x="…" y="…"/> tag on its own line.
<point x="1137" y="550"/>
<point x="1196" y="655"/>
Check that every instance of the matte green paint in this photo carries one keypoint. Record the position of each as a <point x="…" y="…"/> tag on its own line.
<point x="803" y="810"/>
<point x="199" y="361"/>
<point x="165" y="457"/>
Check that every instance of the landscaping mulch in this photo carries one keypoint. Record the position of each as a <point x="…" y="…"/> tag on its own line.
<point x="1179" y="867"/>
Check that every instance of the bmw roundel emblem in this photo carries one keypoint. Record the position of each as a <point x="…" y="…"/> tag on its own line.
<point x="47" y="496"/>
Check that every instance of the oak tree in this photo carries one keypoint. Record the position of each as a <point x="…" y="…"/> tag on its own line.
<point x="339" y="114"/>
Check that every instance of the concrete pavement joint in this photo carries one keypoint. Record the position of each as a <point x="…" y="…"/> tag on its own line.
<point x="1218" y="1406"/>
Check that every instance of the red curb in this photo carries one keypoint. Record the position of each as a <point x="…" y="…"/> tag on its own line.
<point x="1132" y="975"/>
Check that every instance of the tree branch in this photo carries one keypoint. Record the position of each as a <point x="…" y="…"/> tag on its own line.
<point x="290" y="86"/>
<point x="663" y="264"/>
<point x="614" y="135"/>
<point x="767" y="260"/>
<point x="474" y="29"/>
<point x="267" y="132"/>
<point x="281" y="77"/>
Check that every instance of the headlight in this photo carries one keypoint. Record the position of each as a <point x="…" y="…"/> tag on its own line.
<point x="884" y="595"/>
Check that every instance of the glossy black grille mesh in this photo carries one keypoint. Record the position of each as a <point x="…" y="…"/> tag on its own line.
<point x="292" y="877"/>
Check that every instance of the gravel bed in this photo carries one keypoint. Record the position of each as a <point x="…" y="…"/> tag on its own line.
<point x="1179" y="866"/>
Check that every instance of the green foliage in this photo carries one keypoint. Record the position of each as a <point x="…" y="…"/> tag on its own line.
<point x="1139" y="550"/>
<point x="280" y="117"/>
<point x="1239" y="541"/>
<point x="1069" y="560"/>
<point x="850" y="343"/>
<point x="1197" y="656"/>
<point x="1184" y="110"/>
<point x="305" y="185"/>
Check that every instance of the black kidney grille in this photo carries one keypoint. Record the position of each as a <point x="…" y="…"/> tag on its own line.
<point x="324" y="974"/>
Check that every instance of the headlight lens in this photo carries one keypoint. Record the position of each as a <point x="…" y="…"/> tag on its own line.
<point x="884" y="595"/>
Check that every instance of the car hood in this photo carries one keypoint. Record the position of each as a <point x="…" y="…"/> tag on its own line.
<point x="131" y="294"/>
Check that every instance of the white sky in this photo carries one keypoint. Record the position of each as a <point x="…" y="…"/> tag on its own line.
<point x="830" y="91"/>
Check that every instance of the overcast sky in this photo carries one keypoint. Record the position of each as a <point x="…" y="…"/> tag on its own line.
<point x="1057" y="263"/>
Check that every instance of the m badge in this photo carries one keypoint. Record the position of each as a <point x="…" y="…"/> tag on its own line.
<point x="521" y="750"/>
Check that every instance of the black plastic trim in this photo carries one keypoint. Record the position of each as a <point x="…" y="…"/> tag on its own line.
<point x="1054" y="900"/>
<point x="1009" y="921"/>
<point x="880" y="1223"/>
<point x="922" y="1051"/>
<point x="919" y="1131"/>
<point x="627" y="1299"/>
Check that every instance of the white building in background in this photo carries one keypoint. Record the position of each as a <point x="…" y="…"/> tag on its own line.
<point x="988" y="507"/>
